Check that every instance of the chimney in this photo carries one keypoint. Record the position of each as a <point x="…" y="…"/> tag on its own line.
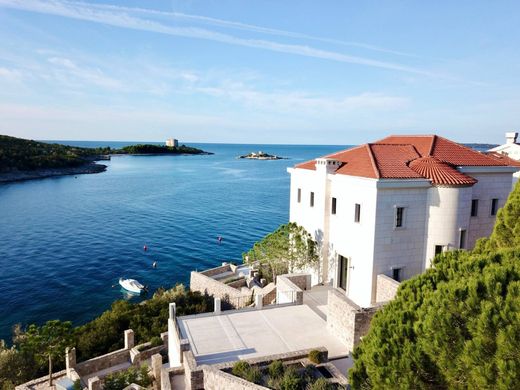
<point x="327" y="165"/>
<point x="511" y="137"/>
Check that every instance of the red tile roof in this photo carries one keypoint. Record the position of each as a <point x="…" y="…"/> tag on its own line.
<point x="413" y="157"/>
<point x="440" y="173"/>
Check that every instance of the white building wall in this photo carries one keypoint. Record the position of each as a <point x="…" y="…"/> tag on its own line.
<point x="448" y="212"/>
<point x="353" y="240"/>
<point x="400" y="247"/>
<point x="338" y="234"/>
<point x="489" y="186"/>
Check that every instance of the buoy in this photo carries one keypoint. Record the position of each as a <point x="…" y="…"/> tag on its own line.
<point x="154" y="265"/>
<point x="145" y="248"/>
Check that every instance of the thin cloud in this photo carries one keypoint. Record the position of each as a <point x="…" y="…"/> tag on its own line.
<point x="242" y="26"/>
<point x="113" y="17"/>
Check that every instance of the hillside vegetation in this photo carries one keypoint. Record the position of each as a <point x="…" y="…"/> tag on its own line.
<point x="457" y="326"/>
<point x="103" y="334"/>
<point x="27" y="155"/>
<point x="158" y="149"/>
<point x="17" y="154"/>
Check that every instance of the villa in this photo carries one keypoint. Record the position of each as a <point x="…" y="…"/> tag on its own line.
<point x="388" y="207"/>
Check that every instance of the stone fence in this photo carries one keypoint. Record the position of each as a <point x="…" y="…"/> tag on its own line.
<point x="219" y="380"/>
<point x="195" y="376"/>
<point x="346" y="320"/>
<point x="386" y="288"/>
<point x="287" y="291"/>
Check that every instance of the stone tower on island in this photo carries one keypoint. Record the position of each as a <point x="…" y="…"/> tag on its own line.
<point x="172" y="142"/>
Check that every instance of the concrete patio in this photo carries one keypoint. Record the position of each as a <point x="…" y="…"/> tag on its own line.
<point x="255" y="333"/>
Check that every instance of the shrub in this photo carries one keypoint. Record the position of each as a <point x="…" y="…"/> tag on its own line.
<point x="156" y="341"/>
<point x="291" y="380"/>
<point x="321" y="384"/>
<point x="240" y="368"/>
<point x="275" y="369"/>
<point x="77" y="385"/>
<point x="253" y="375"/>
<point x="120" y="380"/>
<point x="315" y="356"/>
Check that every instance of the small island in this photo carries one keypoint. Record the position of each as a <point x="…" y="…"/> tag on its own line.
<point x="262" y="156"/>
<point x="22" y="159"/>
<point x="149" y="149"/>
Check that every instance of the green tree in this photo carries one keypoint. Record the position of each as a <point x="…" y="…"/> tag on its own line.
<point x="288" y="248"/>
<point x="14" y="367"/>
<point x="457" y="326"/>
<point x="47" y="343"/>
<point x="506" y="233"/>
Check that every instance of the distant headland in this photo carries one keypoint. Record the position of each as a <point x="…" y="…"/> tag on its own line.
<point x="262" y="156"/>
<point x="22" y="159"/>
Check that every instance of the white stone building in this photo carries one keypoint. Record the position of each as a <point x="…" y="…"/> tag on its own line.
<point x="510" y="149"/>
<point x="388" y="207"/>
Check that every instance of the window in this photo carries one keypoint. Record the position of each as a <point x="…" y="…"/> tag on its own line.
<point x="494" y="206"/>
<point x="299" y="195"/>
<point x="474" y="207"/>
<point x="438" y="249"/>
<point x="357" y="213"/>
<point x="399" y="217"/>
<point x="312" y="199"/>
<point x="462" y="239"/>
<point x="333" y="206"/>
<point x="396" y="274"/>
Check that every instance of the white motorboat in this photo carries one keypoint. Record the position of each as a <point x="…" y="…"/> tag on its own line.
<point x="132" y="285"/>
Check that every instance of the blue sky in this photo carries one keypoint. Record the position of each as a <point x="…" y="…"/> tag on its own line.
<point x="303" y="72"/>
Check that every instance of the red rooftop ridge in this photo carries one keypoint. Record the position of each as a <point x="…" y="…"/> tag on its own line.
<point x="414" y="157"/>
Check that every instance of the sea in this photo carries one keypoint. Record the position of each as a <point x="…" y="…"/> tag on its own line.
<point x="66" y="241"/>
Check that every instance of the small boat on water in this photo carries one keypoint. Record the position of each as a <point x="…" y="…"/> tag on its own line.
<point x="132" y="285"/>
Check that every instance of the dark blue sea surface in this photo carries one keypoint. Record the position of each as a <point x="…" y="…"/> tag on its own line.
<point x="65" y="241"/>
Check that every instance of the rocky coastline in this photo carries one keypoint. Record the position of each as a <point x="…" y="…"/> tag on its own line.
<point x="17" y="175"/>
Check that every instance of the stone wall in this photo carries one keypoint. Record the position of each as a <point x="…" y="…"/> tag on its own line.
<point x="268" y="294"/>
<point x="346" y="320"/>
<point x="287" y="291"/>
<point x="303" y="281"/>
<point x="238" y="283"/>
<point x="193" y="375"/>
<point x="386" y="288"/>
<point x="218" y="380"/>
<point x="103" y="362"/>
<point x="206" y="285"/>
<point x="217" y="270"/>
<point x="41" y="382"/>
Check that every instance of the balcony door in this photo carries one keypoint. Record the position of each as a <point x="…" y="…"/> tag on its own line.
<point x="343" y="273"/>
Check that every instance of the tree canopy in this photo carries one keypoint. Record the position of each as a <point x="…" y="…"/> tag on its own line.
<point x="22" y="154"/>
<point x="456" y="326"/>
<point x="47" y="343"/>
<point x="506" y="232"/>
<point x="288" y="248"/>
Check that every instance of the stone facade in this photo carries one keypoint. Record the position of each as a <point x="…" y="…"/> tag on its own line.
<point x="207" y="285"/>
<point x="218" y="380"/>
<point x="386" y="288"/>
<point x="103" y="362"/>
<point x="287" y="291"/>
<point x="346" y="320"/>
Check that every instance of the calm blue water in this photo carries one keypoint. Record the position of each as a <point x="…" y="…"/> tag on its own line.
<point x="65" y="241"/>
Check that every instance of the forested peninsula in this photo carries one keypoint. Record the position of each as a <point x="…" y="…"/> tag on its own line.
<point x="22" y="159"/>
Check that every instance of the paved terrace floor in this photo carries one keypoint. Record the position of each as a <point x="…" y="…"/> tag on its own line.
<point x="248" y="334"/>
